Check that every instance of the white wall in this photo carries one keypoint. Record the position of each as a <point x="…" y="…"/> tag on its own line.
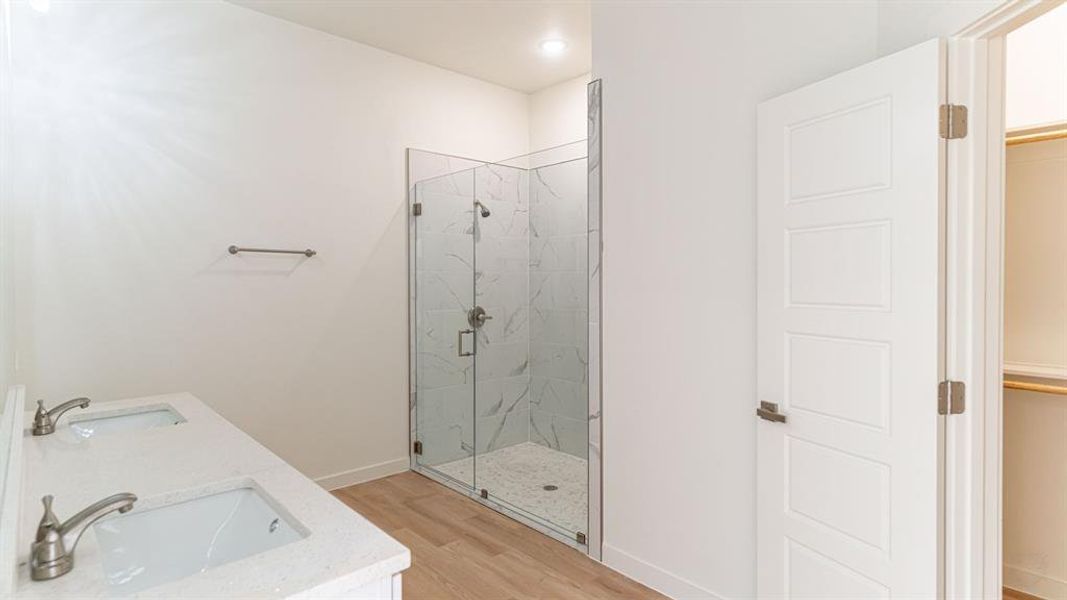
<point x="1035" y="493"/>
<point x="1036" y="88"/>
<point x="904" y="23"/>
<point x="1035" y="284"/>
<point x="558" y="114"/>
<point x="7" y="326"/>
<point x="151" y="136"/>
<point x="681" y="85"/>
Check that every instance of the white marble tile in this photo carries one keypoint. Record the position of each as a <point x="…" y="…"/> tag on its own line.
<point x="556" y="326"/>
<point x="560" y="433"/>
<point x="438" y="369"/>
<point x="494" y="255"/>
<point x="502" y="361"/>
<point x="444" y="213"/>
<point x="558" y="253"/>
<point x="444" y="290"/>
<point x="559" y="289"/>
<point x="558" y="397"/>
<point x="451" y="252"/>
<point x="502" y="288"/>
<point x="558" y="361"/>
<point x="498" y="396"/>
<point x="502" y="430"/>
<point x="593" y="181"/>
<point x="443" y="406"/>
<point x="509" y="324"/>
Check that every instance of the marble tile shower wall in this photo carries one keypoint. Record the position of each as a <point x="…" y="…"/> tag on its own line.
<point x="559" y="307"/>
<point x="502" y="258"/>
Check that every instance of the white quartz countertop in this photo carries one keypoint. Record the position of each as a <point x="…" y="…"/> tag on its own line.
<point x="206" y="454"/>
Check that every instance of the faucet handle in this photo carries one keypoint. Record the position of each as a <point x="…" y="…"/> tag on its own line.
<point x="49" y="522"/>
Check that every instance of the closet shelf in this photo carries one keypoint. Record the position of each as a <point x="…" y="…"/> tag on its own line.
<point x="1044" y="388"/>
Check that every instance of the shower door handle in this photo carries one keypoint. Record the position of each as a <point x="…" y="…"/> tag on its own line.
<point x="459" y="342"/>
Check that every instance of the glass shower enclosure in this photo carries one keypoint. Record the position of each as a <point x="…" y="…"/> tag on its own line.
<point x="499" y="276"/>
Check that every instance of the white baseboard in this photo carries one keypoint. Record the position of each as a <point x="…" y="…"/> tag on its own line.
<point x="364" y="474"/>
<point x="1035" y="584"/>
<point x="654" y="577"/>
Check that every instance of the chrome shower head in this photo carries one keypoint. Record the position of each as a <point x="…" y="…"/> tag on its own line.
<point x="485" y="211"/>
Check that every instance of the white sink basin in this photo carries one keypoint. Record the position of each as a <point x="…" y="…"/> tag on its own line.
<point x="116" y="422"/>
<point x="144" y="549"/>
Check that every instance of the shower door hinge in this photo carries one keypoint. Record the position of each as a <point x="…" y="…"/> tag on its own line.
<point x="952" y="121"/>
<point x="417" y="447"/>
<point x="416" y="209"/>
<point x="580" y="538"/>
<point x="951" y="398"/>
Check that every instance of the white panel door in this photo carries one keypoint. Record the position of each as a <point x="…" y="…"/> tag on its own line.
<point x="849" y="218"/>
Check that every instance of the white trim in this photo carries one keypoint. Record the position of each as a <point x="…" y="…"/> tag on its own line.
<point x="363" y="474"/>
<point x="975" y="294"/>
<point x="1035" y="370"/>
<point x="1034" y="584"/>
<point x="654" y="577"/>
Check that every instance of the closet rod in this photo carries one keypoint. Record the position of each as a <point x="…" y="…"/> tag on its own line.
<point x="1035" y="387"/>
<point x="1038" y="136"/>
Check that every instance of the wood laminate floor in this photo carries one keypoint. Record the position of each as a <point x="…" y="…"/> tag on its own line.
<point x="461" y="549"/>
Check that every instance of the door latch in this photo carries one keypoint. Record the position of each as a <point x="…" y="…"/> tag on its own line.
<point x="768" y="411"/>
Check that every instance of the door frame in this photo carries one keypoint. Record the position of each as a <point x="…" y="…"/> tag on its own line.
<point x="974" y="293"/>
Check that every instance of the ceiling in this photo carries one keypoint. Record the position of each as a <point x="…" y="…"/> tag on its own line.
<point x="494" y="40"/>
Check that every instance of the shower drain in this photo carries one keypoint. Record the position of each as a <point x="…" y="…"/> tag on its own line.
<point x="550" y="488"/>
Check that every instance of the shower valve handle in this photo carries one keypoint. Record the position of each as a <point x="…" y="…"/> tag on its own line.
<point x="477" y="317"/>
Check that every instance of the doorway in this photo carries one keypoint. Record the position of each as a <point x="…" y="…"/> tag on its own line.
<point x="1034" y="400"/>
<point x="991" y="341"/>
<point x="825" y="412"/>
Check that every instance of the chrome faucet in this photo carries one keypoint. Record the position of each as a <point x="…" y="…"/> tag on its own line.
<point x="44" y="421"/>
<point x="52" y="553"/>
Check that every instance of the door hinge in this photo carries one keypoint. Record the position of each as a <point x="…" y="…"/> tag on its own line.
<point x="416" y="209"/>
<point x="417" y="447"/>
<point x="951" y="398"/>
<point x="953" y="121"/>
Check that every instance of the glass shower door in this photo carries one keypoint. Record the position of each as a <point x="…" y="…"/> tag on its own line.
<point x="444" y="341"/>
<point x="500" y="336"/>
<point x="531" y="367"/>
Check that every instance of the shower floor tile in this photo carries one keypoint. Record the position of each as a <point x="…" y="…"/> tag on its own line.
<point x="517" y="475"/>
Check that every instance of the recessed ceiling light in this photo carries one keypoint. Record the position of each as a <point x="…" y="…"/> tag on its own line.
<point x="553" y="47"/>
